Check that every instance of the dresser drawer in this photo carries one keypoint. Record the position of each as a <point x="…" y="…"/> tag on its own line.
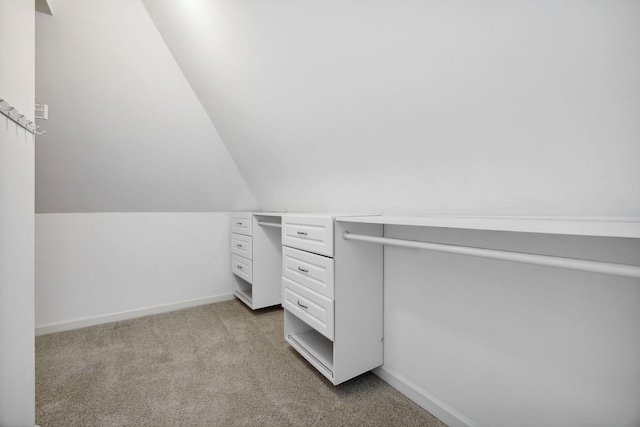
<point x="313" y="234"/>
<point x="241" y="245"/>
<point x="241" y="223"/>
<point x="310" y="270"/>
<point x="312" y="308"/>
<point x="242" y="267"/>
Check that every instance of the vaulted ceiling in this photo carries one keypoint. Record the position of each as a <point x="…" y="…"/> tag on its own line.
<point x="126" y="131"/>
<point x="501" y="107"/>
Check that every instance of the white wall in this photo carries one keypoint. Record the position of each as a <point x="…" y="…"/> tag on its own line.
<point x="456" y="107"/>
<point x="94" y="268"/>
<point x="126" y="133"/>
<point x="508" y="344"/>
<point x="17" y="365"/>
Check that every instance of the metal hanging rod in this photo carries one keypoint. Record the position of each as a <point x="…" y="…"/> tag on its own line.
<point x="609" y="268"/>
<point x="270" y="224"/>
<point x="20" y="119"/>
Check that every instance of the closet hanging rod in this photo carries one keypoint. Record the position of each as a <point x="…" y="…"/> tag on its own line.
<point x="609" y="268"/>
<point x="270" y="224"/>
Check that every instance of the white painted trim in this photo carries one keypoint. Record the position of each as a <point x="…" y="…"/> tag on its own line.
<point x="431" y="404"/>
<point x="129" y="314"/>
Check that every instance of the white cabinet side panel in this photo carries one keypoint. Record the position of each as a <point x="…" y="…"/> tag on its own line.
<point x="358" y="342"/>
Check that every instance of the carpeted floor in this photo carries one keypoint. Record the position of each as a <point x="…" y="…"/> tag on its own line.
<point x="214" y="365"/>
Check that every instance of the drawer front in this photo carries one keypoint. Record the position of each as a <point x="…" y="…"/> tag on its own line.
<point x="242" y="267"/>
<point x="313" y="234"/>
<point x="241" y="223"/>
<point x="310" y="270"/>
<point x="314" y="309"/>
<point x="241" y="245"/>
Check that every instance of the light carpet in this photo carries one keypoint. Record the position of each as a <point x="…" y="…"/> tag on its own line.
<point x="215" y="365"/>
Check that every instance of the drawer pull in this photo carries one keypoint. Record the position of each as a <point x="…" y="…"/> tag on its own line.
<point x="239" y="267"/>
<point x="303" y="306"/>
<point x="302" y="233"/>
<point x="238" y="245"/>
<point x="304" y="270"/>
<point x="238" y="223"/>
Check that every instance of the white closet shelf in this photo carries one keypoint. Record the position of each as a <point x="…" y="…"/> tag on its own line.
<point x="274" y="214"/>
<point x="577" y="226"/>
<point x="316" y="345"/>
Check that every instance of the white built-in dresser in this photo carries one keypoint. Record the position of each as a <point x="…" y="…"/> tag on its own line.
<point x="332" y="295"/>
<point x="330" y="288"/>
<point x="256" y="258"/>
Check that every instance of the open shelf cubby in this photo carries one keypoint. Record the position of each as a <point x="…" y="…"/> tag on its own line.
<point x="311" y="344"/>
<point x="246" y="295"/>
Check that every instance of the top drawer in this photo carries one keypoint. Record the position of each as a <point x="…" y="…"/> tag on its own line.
<point x="313" y="234"/>
<point x="241" y="223"/>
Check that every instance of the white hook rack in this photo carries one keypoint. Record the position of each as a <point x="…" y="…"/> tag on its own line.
<point x="20" y="119"/>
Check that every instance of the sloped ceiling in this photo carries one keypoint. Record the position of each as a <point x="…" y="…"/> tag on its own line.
<point x="126" y="132"/>
<point x="440" y="106"/>
<point x="44" y="6"/>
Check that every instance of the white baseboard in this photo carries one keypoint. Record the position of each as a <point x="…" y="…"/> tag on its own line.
<point x="129" y="314"/>
<point x="431" y="404"/>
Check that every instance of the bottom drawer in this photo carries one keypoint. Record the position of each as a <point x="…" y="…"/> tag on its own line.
<point x="311" y="307"/>
<point x="242" y="267"/>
